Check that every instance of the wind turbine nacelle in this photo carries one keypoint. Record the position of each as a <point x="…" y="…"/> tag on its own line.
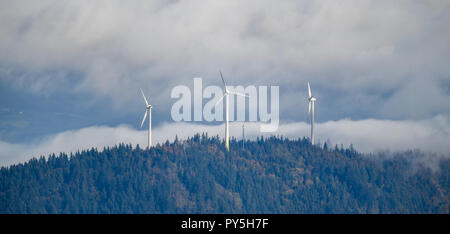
<point x="312" y="99"/>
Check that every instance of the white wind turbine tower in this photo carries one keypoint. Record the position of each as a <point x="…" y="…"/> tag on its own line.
<point x="311" y="100"/>
<point x="243" y="136"/>
<point x="148" y="109"/>
<point x="227" y="126"/>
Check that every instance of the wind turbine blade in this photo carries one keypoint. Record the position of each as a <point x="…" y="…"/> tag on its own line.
<point x="219" y="100"/>
<point x="145" y="99"/>
<point x="221" y="76"/>
<point x="309" y="108"/>
<point x="143" y="119"/>
<point x="309" y="91"/>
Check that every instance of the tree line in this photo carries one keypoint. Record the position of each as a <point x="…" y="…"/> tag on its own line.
<point x="198" y="175"/>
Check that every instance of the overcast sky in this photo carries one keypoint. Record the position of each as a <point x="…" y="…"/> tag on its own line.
<point x="379" y="69"/>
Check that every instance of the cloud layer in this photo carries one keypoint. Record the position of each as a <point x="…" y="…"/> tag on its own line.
<point x="71" y="64"/>
<point x="365" y="59"/>
<point x="366" y="135"/>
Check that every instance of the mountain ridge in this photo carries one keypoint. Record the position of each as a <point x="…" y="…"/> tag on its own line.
<point x="198" y="175"/>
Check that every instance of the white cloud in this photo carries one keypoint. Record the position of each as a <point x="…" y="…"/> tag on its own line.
<point x="365" y="59"/>
<point x="359" y="48"/>
<point x="69" y="141"/>
<point x="366" y="135"/>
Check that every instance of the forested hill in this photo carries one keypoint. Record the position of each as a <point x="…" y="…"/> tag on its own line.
<point x="272" y="175"/>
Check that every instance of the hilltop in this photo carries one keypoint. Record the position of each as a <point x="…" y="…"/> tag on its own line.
<point x="197" y="175"/>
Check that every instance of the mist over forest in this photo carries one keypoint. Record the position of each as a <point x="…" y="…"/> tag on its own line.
<point x="198" y="175"/>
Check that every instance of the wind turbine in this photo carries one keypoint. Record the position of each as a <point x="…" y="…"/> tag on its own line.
<point x="148" y="108"/>
<point x="227" y="126"/>
<point x="311" y="100"/>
